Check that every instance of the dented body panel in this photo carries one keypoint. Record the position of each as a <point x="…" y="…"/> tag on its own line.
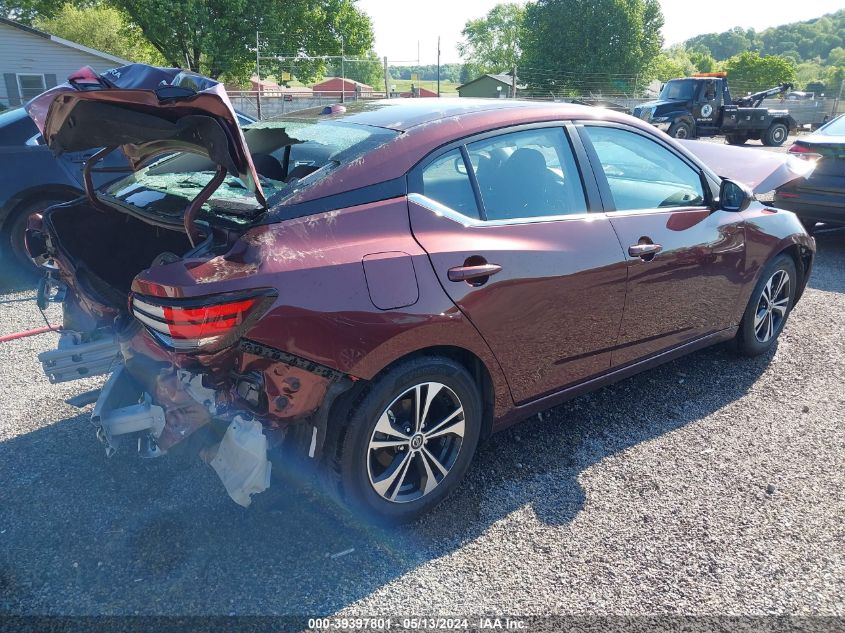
<point x="763" y="172"/>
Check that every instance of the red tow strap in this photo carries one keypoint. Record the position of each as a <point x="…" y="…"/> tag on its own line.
<point x="25" y="333"/>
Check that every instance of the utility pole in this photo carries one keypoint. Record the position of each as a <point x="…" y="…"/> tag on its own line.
<point x="258" y="75"/>
<point x="513" y="82"/>
<point x="838" y="99"/>
<point x="386" y="78"/>
<point x="342" y="72"/>
<point x="438" y="65"/>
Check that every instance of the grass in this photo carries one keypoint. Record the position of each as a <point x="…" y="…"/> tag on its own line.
<point x="446" y="87"/>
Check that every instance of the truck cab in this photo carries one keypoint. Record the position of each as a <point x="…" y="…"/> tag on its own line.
<point x="701" y="105"/>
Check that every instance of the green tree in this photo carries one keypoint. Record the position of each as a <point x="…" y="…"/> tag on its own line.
<point x="751" y="72"/>
<point x="724" y="45"/>
<point x="836" y="57"/>
<point x="589" y="45"/>
<point x="492" y="43"/>
<point x="672" y="63"/>
<point x="25" y="11"/>
<point x="217" y="37"/>
<point x="468" y="73"/>
<point x="101" y="27"/>
<point x="370" y="71"/>
<point x="833" y="80"/>
<point x="703" y="61"/>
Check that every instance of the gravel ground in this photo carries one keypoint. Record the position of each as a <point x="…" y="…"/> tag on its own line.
<point x="712" y="485"/>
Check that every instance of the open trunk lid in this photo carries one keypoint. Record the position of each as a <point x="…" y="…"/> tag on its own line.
<point x="145" y="111"/>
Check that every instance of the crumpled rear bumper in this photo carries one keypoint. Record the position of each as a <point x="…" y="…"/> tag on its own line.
<point x="246" y="398"/>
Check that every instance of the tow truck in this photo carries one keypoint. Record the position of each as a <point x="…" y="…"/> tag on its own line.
<point x="701" y="105"/>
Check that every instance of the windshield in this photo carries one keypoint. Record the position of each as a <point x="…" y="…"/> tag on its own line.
<point x="834" y="128"/>
<point x="288" y="154"/>
<point x="678" y="89"/>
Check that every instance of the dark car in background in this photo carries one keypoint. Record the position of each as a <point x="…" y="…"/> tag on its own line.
<point x="820" y="196"/>
<point x="383" y="285"/>
<point x="33" y="178"/>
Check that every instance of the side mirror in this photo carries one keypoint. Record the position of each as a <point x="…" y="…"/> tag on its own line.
<point x="734" y="196"/>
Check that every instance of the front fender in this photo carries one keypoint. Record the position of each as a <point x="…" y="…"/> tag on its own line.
<point x="678" y="116"/>
<point x="768" y="233"/>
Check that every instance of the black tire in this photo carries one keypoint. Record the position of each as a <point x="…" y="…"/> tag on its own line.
<point x="736" y="139"/>
<point x="14" y="227"/>
<point x="775" y="135"/>
<point x="351" y="460"/>
<point x="754" y="336"/>
<point x="680" y="130"/>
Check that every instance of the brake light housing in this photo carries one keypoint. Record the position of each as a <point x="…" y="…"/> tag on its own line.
<point x="201" y="324"/>
<point x="803" y="152"/>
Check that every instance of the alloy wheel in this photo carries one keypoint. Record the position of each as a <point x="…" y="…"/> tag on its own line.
<point x="772" y="306"/>
<point x="416" y="442"/>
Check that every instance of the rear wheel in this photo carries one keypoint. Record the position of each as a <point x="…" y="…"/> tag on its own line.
<point x="775" y="135"/>
<point x="736" y="139"/>
<point x="14" y="229"/>
<point x="407" y="441"/>
<point x="769" y="307"/>
<point x="680" y="130"/>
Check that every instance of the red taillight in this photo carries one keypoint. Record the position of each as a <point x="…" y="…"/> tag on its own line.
<point x="210" y="322"/>
<point x="802" y="151"/>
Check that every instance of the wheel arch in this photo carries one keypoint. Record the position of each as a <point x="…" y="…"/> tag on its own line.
<point x="802" y="256"/>
<point x="34" y="194"/>
<point x="683" y="117"/>
<point x="466" y="358"/>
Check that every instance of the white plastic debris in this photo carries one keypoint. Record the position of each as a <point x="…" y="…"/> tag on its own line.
<point x="241" y="461"/>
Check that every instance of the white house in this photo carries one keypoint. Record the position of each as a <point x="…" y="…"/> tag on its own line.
<point x="32" y="61"/>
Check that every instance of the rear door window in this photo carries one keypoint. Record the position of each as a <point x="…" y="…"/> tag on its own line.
<point x="446" y="181"/>
<point x="527" y="174"/>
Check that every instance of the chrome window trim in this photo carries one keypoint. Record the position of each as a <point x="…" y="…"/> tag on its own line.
<point x="447" y="212"/>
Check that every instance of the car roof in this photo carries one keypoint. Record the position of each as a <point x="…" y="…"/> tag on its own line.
<point x="403" y="114"/>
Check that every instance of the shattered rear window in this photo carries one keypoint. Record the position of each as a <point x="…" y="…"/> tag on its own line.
<point x="288" y="155"/>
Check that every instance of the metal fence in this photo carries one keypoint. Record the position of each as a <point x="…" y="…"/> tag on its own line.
<point x="809" y="113"/>
<point x="268" y="106"/>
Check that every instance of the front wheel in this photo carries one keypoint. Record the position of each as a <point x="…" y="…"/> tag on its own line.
<point x="407" y="442"/>
<point x="769" y="307"/>
<point x="680" y="130"/>
<point x="775" y="135"/>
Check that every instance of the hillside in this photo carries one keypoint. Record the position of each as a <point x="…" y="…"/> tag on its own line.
<point x="811" y="40"/>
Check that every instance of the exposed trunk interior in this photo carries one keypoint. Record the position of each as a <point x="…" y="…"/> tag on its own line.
<point x="110" y="248"/>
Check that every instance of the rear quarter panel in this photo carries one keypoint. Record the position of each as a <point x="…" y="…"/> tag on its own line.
<point x="325" y="311"/>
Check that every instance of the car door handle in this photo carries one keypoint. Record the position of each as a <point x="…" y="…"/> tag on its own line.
<point x="644" y="250"/>
<point x="468" y="273"/>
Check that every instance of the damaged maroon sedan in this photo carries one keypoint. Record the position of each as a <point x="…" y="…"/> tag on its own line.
<point x="380" y="286"/>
